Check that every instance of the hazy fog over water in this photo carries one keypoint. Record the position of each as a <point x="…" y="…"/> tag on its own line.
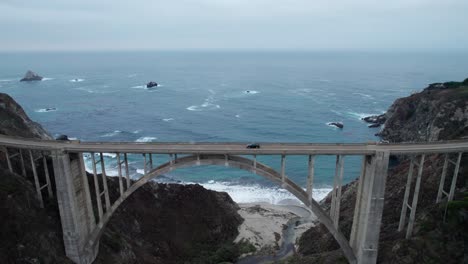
<point x="233" y="24"/>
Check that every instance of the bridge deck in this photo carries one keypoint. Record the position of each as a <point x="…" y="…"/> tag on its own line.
<point x="236" y="148"/>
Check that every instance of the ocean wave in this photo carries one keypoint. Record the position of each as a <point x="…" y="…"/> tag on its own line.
<point x="208" y="104"/>
<point x="237" y="116"/>
<point x="146" y="139"/>
<point x="140" y="171"/>
<point x="365" y="95"/>
<point x="359" y="115"/>
<point x="45" y="110"/>
<point x="76" y="80"/>
<point x="132" y="75"/>
<point x="168" y="119"/>
<point x="89" y="90"/>
<point x="139" y="87"/>
<point x="47" y="79"/>
<point x="6" y="80"/>
<point x="257" y="193"/>
<point x="111" y="134"/>
<point x="109" y="155"/>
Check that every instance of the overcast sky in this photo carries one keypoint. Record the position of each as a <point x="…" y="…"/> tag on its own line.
<point x="233" y="24"/>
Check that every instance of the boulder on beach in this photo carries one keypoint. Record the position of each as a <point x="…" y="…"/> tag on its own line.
<point x="31" y="76"/>
<point x="151" y="84"/>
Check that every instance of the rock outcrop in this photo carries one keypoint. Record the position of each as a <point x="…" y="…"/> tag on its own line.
<point x="151" y="84"/>
<point x="375" y="120"/>
<point x="31" y="76"/>
<point x="439" y="112"/>
<point x="337" y="124"/>
<point x="15" y="122"/>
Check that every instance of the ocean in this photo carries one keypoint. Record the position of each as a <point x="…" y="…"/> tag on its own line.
<point x="235" y="96"/>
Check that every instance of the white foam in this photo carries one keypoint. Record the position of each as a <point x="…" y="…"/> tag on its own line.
<point x="111" y="134"/>
<point x="168" y="119"/>
<point x="140" y="171"/>
<point x="208" y="104"/>
<point x="237" y="116"/>
<point x="136" y="131"/>
<point x="139" y="87"/>
<point x="251" y="92"/>
<point x="359" y="115"/>
<point x="76" y="80"/>
<point x="257" y="193"/>
<point x="47" y="79"/>
<point x="146" y="139"/>
<point x="89" y="90"/>
<point x="110" y="155"/>
<point x="6" y="80"/>
<point x="45" y="110"/>
<point x="365" y="95"/>
<point x="132" y="75"/>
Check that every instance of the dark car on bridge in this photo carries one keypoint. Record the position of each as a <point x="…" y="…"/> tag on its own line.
<point x="253" y="146"/>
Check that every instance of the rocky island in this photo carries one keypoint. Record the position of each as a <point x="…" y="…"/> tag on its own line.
<point x="31" y="76"/>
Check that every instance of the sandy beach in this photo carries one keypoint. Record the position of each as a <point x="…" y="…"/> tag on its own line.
<point x="267" y="226"/>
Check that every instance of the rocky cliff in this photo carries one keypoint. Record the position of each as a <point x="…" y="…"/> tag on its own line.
<point x="14" y="121"/>
<point x="439" y="112"/>
<point x="159" y="223"/>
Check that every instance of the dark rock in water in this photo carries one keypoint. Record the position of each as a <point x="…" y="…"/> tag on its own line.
<point x="51" y="109"/>
<point x="31" y="76"/>
<point x="151" y="84"/>
<point x="337" y="124"/>
<point x="374" y="125"/>
<point x="375" y="119"/>
<point x="62" y="137"/>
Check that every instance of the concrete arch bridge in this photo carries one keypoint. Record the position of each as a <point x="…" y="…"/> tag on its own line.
<point x="82" y="229"/>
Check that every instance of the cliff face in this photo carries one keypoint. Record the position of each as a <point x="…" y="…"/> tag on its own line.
<point x="158" y="223"/>
<point x="439" y="112"/>
<point x="15" y="122"/>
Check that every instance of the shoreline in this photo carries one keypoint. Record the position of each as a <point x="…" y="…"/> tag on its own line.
<point x="273" y="229"/>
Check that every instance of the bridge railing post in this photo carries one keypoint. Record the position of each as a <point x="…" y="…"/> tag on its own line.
<point x="74" y="201"/>
<point x="369" y="207"/>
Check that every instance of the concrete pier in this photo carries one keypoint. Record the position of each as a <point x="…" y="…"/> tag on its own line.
<point x="74" y="202"/>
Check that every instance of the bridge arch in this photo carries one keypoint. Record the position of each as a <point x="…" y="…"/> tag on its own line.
<point x="233" y="162"/>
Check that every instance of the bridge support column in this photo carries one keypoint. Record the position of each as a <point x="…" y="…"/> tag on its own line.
<point x="75" y="207"/>
<point x="369" y="207"/>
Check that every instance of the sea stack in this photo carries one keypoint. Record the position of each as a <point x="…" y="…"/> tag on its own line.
<point x="31" y="76"/>
<point x="151" y="84"/>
